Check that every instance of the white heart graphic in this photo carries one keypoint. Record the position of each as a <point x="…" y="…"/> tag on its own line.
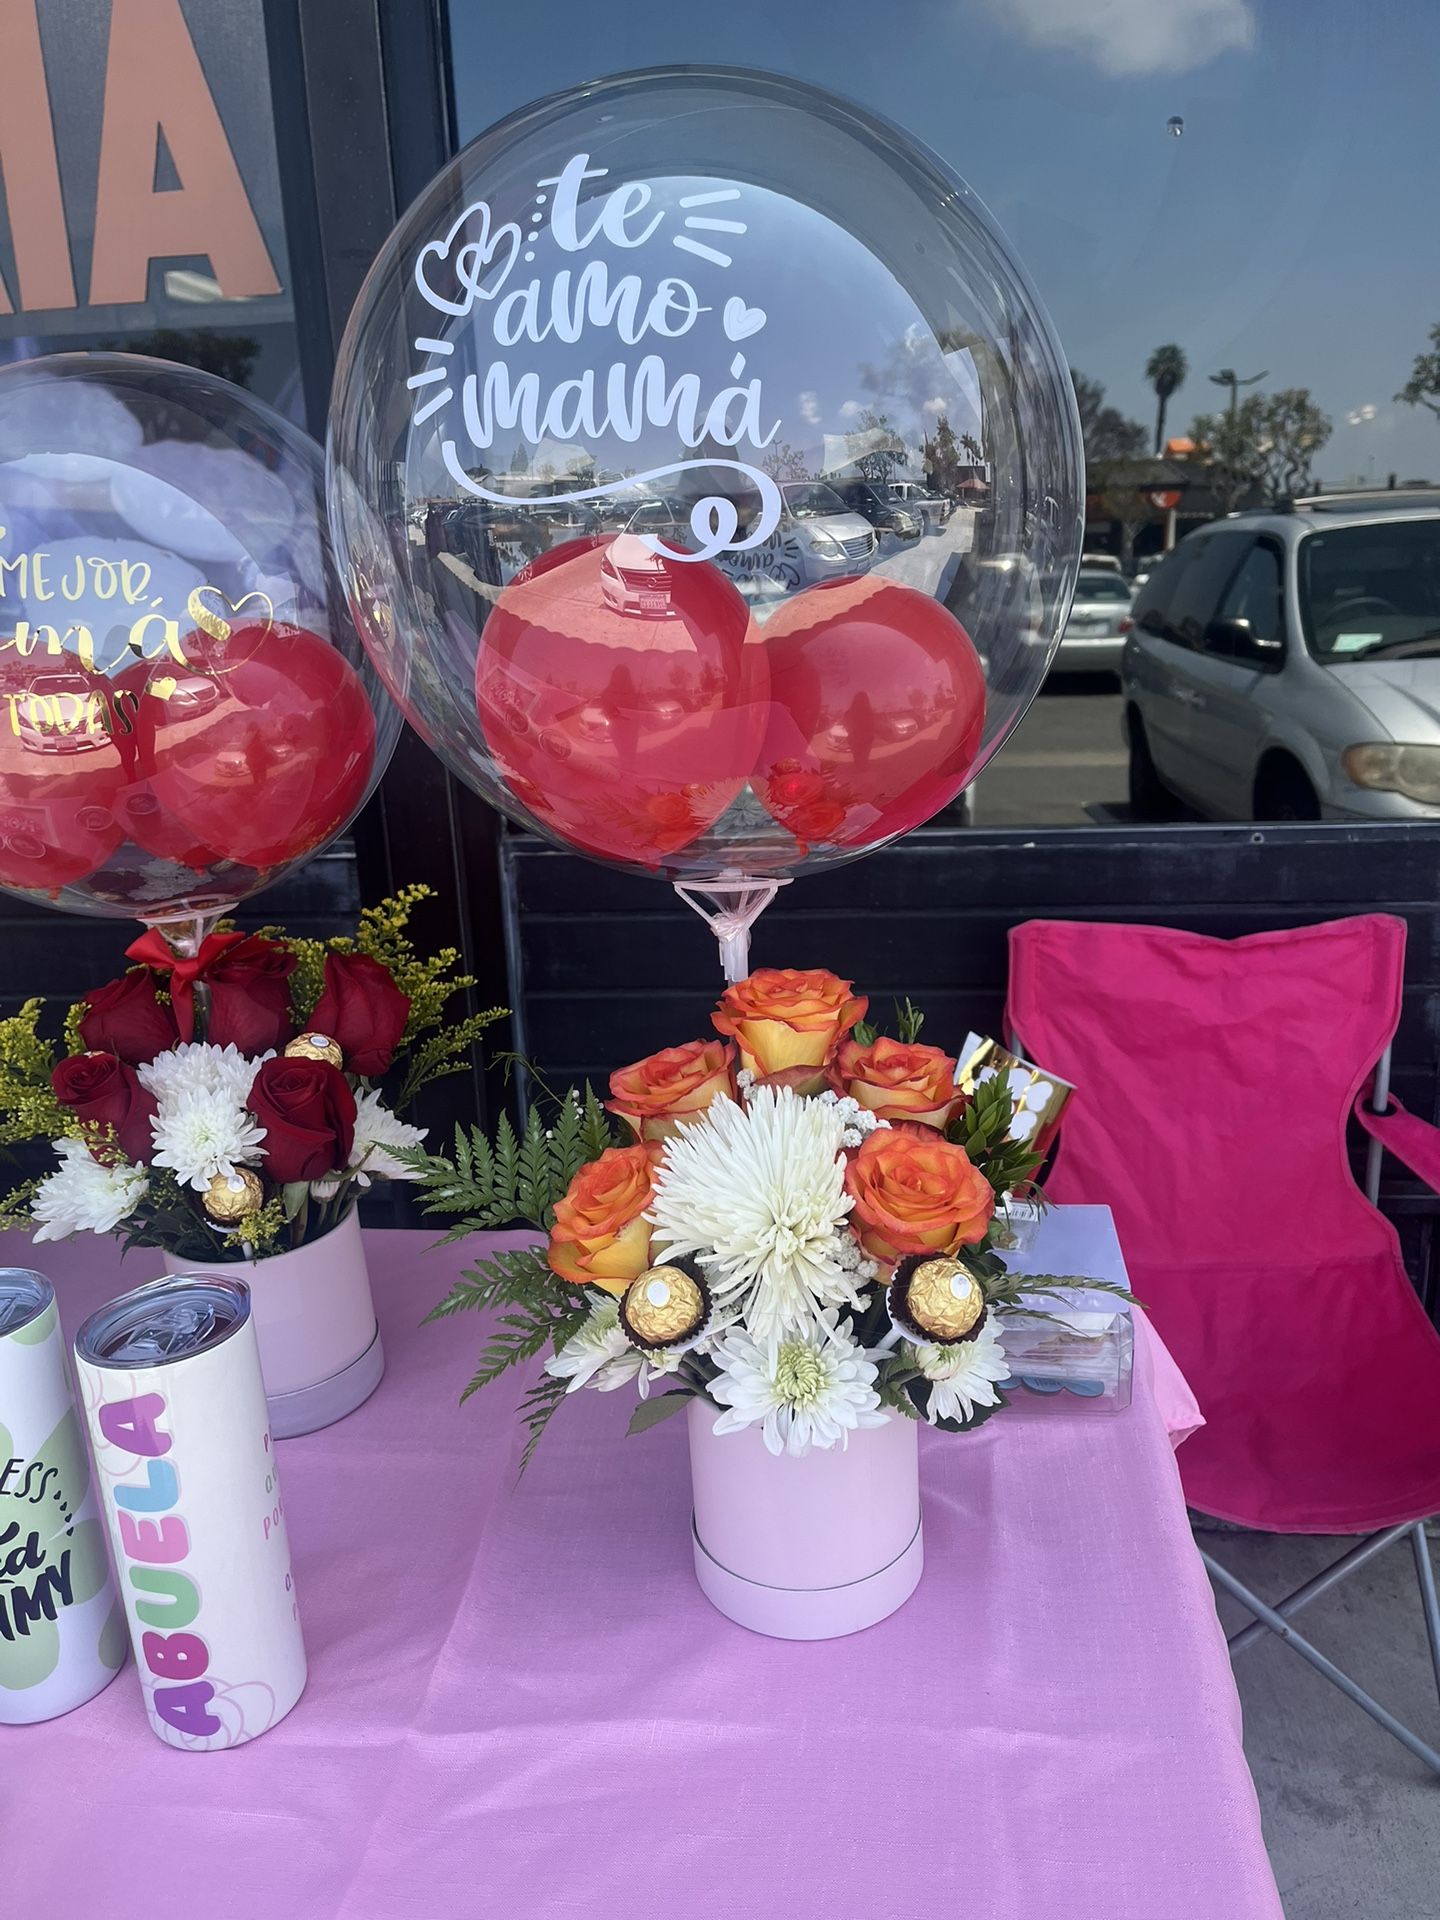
<point x="741" y="321"/>
<point x="472" y="263"/>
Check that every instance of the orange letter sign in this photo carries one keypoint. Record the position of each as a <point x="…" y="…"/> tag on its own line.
<point x="154" y="84"/>
<point x="32" y="173"/>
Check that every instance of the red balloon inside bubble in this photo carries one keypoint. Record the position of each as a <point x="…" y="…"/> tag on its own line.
<point x="877" y="703"/>
<point x="254" y="751"/>
<point x="62" y="774"/>
<point x="622" y="695"/>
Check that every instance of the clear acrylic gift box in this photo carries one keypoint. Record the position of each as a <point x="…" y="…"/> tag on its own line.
<point x="1075" y="1351"/>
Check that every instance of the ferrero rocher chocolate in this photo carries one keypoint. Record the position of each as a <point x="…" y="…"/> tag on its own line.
<point x="664" y="1306"/>
<point x="228" y="1198"/>
<point x="938" y="1298"/>
<point x="315" y="1046"/>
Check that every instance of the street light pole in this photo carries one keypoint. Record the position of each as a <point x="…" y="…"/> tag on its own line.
<point x="1227" y="377"/>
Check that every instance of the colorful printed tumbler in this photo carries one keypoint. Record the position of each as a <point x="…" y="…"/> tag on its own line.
<point x="62" y="1635"/>
<point x="170" y="1376"/>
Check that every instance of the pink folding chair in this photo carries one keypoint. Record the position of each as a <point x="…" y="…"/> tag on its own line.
<point x="1214" y="1082"/>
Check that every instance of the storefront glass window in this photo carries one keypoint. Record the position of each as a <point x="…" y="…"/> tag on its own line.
<point x="141" y="206"/>
<point x="1217" y="200"/>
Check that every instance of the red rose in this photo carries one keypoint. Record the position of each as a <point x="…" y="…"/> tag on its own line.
<point x="127" y="1019"/>
<point x="250" y="997"/>
<point x="308" y="1113"/>
<point x="362" y="1011"/>
<point x="102" y="1092"/>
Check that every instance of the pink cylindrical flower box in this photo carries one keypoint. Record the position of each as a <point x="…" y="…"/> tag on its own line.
<point x="320" y="1350"/>
<point x="806" y="1548"/>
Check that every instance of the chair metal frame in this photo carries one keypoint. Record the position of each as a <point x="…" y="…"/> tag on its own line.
<point x="1276" y="1619"/>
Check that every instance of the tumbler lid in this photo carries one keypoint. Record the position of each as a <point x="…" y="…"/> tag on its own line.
<point x="166" y="1321"/>
<point x="24" y="1296"/>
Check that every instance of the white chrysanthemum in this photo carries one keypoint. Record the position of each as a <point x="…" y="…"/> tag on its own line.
<point x="599" y="1355"/>
<point x="963" y="1377"/>
<point x="202" y="1131"/>
<point x="377" y="1131"/>
<point x="805" y="1393"/>
<point x="196" y="1067"/>
<point x="85" y="1196"/>
<point x="757" y="1192"/>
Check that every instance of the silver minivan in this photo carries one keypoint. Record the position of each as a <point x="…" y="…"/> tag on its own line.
<point x="1286" y="665"/>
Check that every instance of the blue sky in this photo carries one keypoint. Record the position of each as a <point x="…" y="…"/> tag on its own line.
<point x="1291" y="228"/>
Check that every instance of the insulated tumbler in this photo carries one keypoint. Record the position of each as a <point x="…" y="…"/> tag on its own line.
<point x="62" y="1635"/>
<point x="175" y="1402"/>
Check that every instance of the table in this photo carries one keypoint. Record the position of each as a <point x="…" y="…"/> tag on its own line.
<point x="519" y="1704"/>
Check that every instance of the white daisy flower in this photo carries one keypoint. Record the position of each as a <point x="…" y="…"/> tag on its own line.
<point x="599" y="1355"/>
<point x="85" y="1195"/>
<point x="757" y="1193"/>
<point x="963" y="1377"/>
<point x="377" y="1130"/>
<point x="201" y="1131"/>
<point x="805" y="1393"/>
<point x="196" y="1067"/>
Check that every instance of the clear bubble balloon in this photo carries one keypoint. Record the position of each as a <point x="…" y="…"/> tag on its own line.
<point x="705" y="475"/>
<point x="185" y="710"/>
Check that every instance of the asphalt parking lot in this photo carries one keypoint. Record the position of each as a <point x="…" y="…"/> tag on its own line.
<point x="1066" y="756"/>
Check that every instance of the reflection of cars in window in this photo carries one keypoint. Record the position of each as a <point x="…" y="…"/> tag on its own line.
<point x="495" y="540"/>
<point x="1094" y="636"/>
<point x="873" y="503"/>
<point x="819" y="538"/>
<point x="816" y="539"/>
<point x="1287" y="665"/>
<point x="567" y="520"/>
<point x="931" y="509"/>
<point x="635" y="580"/>
<point x="657" y="517"/>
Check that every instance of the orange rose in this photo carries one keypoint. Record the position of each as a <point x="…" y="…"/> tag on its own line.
<point x="916" y="1193"/>
<point x="599" y="1238"/>
<point x="898" y="1082"/>
<point x="657" y="1094"/>
<point x="788" y="1023"/>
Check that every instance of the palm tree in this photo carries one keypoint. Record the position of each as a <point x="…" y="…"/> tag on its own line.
<point x="1165" y="370"/>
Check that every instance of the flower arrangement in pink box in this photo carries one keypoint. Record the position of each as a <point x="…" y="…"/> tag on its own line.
<point x="792" y="1223"/>
<point x="227" y="1103"/>
<point x="788" y="1231"/>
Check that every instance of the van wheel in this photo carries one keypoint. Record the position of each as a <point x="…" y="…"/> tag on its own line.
<point x="1283" y="791"/>
<point x="1150" y="798"/>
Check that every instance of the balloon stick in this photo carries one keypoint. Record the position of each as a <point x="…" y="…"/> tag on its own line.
<point x="730" y="905"/>
<point x="186" y="932"/>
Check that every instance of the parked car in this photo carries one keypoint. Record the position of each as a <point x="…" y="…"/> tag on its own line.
<point x="494" y="540"/>
<point x="634" y="580"/>
<point x="1286" y="665"/>
<point x="1094" y="635"/>
<point x="873" y="503"/>
<point x="818" y="538"/>
<point x="931" y="509"/>
<point x="1101" y="563"/>
<point x="567" y="520"/>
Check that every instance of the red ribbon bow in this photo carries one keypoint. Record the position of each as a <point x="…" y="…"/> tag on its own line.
<point x="152" y="949"/>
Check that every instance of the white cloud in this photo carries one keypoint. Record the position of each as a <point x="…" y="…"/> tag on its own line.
<point x="849" y="410"/>
<point x="810" y="408"/>
<point x="1129" y="37"/>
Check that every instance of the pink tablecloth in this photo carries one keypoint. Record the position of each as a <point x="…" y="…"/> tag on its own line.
<point x="519" y="1704"/>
